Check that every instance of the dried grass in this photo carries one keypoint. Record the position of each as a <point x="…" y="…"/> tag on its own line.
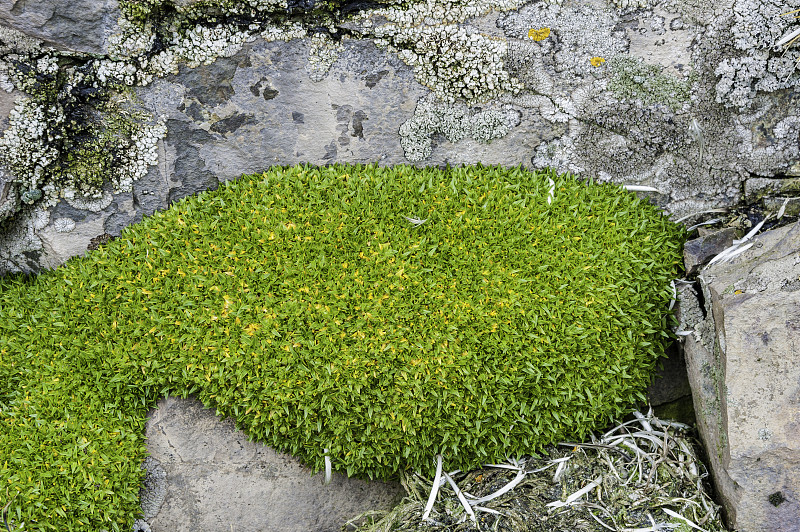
<point x="641" y="476"/>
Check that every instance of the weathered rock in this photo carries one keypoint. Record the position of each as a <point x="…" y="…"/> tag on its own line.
<point x="700" y="250"/>
<point x="77" y="25"/>
<point x="688" y="97"/>
<point x="761" y="186"/>
<point x="744" y="368"/>
<point x="789" y="206"/>
<point x="203" y="474"/>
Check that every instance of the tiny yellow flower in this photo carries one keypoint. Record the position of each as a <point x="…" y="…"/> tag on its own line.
<point x="540" y="34"/>
<point x="597" y="61"/>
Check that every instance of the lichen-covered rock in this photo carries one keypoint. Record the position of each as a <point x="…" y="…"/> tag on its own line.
<point x="655" y="93"/>
<point x="154" y="487"/>
<point x="743" y="361"/>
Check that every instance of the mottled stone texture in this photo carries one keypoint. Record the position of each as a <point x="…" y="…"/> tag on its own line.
<point x="218" y="480"/>
<point x="672" y="106"/>
<point x="77" y="25"/>
<point x="744" y="368"/>
<point x="258" y="109"/>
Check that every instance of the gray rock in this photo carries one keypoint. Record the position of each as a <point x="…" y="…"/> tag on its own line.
<point x="55" y="245"/>
<point x="77" y="25"/>
<point x="705" y="141"/>
<point x="154" y="487"/>
<point x="790" y="207"/>
<point x="700" y="250"/>
<point x="671" y="381"/>
<point x="217" y="479"/>
<point x="743" y="361"/>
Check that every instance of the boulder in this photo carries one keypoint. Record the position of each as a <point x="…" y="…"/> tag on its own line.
<point x="203" y="474"/>
<point x="743" y="360"/>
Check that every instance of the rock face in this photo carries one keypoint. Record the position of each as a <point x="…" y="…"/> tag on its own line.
<point x="692" y="98"/>
<point x="744" y="368"/>
<point x="203" y="474"/>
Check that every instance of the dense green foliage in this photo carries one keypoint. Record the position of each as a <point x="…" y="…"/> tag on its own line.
<point x="315" y="307"/>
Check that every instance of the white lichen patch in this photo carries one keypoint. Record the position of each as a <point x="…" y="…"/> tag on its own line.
<point x="578" y="34"/>
<point x="64" y="225"/>
<point x="130" y="40"/>
<point x="322" y="53"/>
<point x="456" y="61"/>
<point x="141" y="154"/>
<point x="17" y="43"/>
<point x="85" y="202"/>
<point x="247" y="6"/>
<point x="456" y="121"/>
<point x="629" y="4"/>
<point x="25" y="148"/>
<point x="761" y="66"/>
<point x="199" y="45"/>
<point x="40" y="217"/>
<point x="202" y="45"/>
<point x="120" y="73"/>
<point x="271" y="33"/>
<point x="561" y="153"/>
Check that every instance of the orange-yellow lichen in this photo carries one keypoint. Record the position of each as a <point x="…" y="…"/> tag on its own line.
<point x="540" y="34"/>
<point x="597" y="61"/>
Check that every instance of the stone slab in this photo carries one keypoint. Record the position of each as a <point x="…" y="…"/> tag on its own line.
<point x="700" y="250"/>
<point x="744" y="368"/>
<point x="217" y="480"/>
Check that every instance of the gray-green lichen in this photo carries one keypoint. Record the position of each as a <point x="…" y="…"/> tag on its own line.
<point x="633" y="79"/>
<point x="456" y="121"/>
<point x="69" y="136"/>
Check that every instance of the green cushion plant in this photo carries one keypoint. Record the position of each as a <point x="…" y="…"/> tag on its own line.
<point x="385" y="315"/>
